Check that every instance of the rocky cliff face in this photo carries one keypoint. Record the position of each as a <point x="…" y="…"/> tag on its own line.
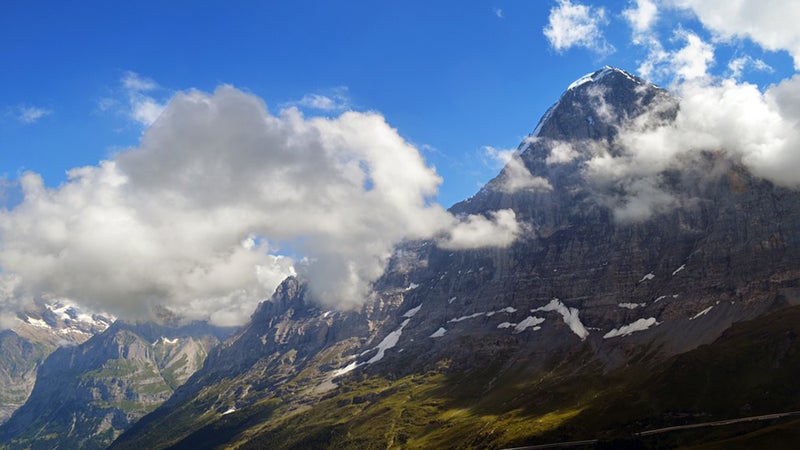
<point x="584" y="293"/>
<point x="86" y="395"/>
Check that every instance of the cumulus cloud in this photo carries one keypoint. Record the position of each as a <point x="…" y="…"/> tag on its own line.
<point x="515" y="176"/>
<point x="577" y="25"/>
<point x="772" y="24"/>
<point x="197" y="217"/>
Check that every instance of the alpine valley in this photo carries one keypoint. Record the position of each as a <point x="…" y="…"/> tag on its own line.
<point x="597" y="325"/>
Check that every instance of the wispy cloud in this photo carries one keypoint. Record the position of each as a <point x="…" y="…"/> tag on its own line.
<point x="336" y="100"/>
<point x="32" y="114"/>
<point x="515" y="176"/>
<point x="499" y="13"/>
<point x="137" y="99"/>
<point x="739" y="65"/>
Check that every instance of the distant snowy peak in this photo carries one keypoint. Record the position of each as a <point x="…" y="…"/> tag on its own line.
<point x="62" y="319"/>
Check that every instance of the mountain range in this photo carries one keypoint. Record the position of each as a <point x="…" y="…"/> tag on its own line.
<point x="609" y="317"/>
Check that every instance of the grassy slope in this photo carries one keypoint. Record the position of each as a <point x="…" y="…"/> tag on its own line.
<point x="750" y="370"/>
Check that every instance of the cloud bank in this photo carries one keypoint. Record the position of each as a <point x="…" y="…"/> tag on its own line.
<point x="221" y="201"/>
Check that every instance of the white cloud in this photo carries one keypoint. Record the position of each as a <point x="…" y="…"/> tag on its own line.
<point x="561" y="153"/>
<point x="500" y="230"/>
<point x="641" y="18"/>
<point x="577" y="25"/>
<point x="336" y="100"/>
<point x="499" y="13"/>
<point x="772" y="24"/>
<point x="194" y="217"/>
<point x="143" y="108"/>
<point x="132" y="81"/>
<point x="32" y="114"/>
<point x="12" y="299"/>
<point x="515" y="176"/>
<point x="693" y="60"/>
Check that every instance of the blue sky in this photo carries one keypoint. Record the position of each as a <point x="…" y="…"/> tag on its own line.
<point x="451" y="76"/>
<point x="206" y="206"/>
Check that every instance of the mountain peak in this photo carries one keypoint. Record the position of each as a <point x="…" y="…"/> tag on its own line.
<point x="594" y="105"/>
<point x="605" y="73"/>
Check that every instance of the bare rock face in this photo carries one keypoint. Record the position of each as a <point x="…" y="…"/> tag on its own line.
<point x="86" y="395"/>
<point x="583" y="281"/>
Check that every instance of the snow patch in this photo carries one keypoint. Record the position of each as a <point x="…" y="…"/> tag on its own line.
<point x="411" y="312"/>
<point x="412" y="286"/>
<point x="166" y="340"/>
<point x="528" y="322"/>
<point x="506" y="325"/>
<point x="388" y="342"/>
<point x="639" y="325"/>
<point x="471" y="316"/>
<point x="632" y="305"/>
<point x="230" y="410"/>
<point x="346" y="369"/>
<point x="38" y="323"/>
<point x="702" y="313"/>
<point x="507" y="309"/>
<point x="452" y="299"/>
<point x="683" y="266"/>
<point x="647" y="277"/>
<point x="570" y="316"/>
<point x="439" y="333"/>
